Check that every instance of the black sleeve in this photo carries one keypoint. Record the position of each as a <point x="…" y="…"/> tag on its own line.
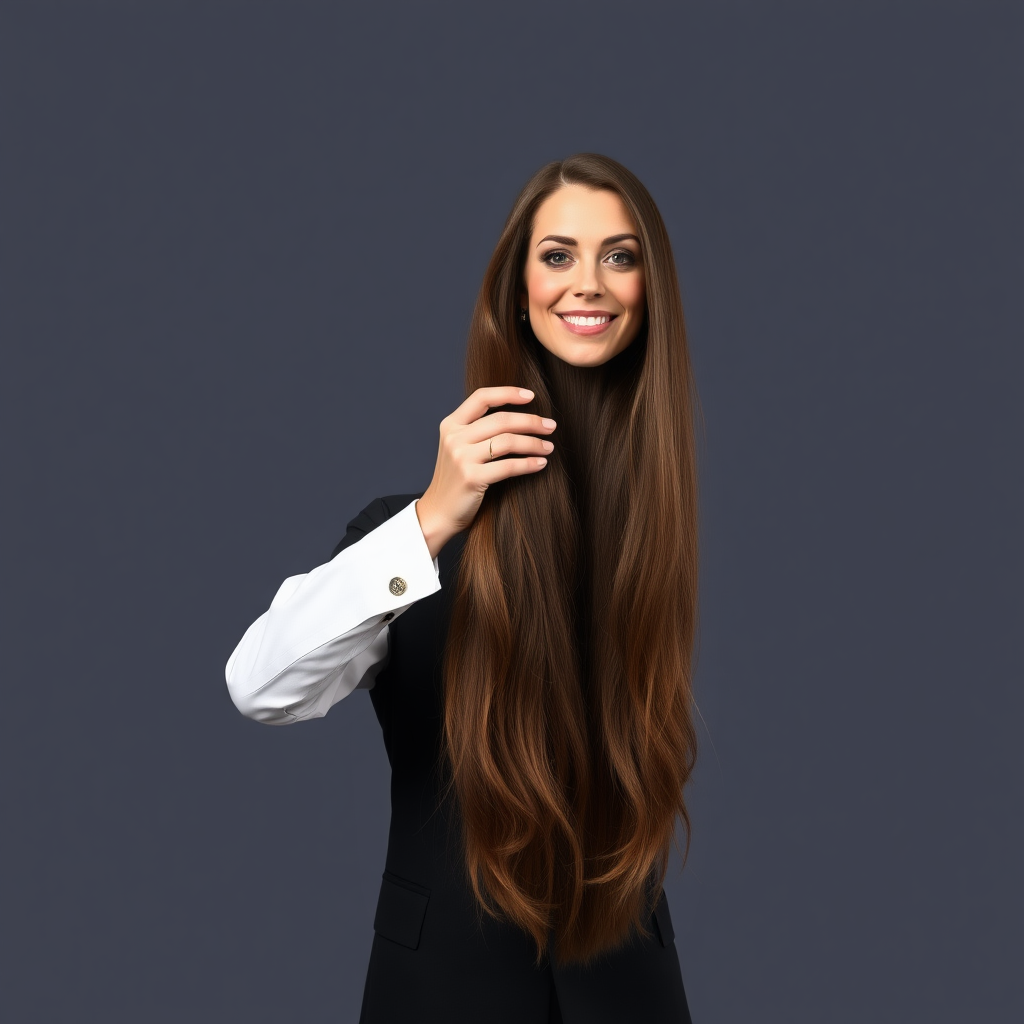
<point x="378" y="511"/>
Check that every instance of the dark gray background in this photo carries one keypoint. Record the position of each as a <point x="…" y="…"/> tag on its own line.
<point x="241" y="243"/>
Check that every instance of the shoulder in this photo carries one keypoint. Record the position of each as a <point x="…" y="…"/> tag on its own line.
<point x="378" y="511"/>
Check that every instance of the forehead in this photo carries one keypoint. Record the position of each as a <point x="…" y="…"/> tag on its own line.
<point x="582" y="213"/>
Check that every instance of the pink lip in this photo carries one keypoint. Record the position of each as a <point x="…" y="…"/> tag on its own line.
<point x="595" y="329"/>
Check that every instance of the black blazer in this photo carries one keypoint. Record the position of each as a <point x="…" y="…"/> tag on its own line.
<point x="434" y="957"/>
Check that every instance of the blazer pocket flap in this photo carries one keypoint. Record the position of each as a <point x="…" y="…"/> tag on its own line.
<point x="401" y="908"/>
<point x="663" y="920"/>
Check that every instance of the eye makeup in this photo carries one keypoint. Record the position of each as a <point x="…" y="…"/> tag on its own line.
<point x="549" y="258"/>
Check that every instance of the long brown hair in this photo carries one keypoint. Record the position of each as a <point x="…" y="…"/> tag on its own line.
<point x="568" y="728"/>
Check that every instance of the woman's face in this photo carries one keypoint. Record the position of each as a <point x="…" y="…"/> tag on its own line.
<point x="584" y="262"/>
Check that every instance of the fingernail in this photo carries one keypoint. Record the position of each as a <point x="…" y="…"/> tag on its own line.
<point x="526" y="393"/>
<point x="547" y="445"/>
<point x="548" y="423"/>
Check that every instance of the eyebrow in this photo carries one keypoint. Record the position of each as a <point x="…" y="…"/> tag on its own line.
<point x="565" y="240"/>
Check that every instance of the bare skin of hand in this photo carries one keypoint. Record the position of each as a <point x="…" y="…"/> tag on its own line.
<point x="464" y="469"/>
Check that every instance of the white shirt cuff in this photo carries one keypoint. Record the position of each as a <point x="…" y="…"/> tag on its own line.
<point x="353" y="596"/>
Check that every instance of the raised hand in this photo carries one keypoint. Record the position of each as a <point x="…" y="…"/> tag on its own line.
<point x="471" y="439"/>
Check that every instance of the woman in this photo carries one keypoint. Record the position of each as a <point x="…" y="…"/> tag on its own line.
<point x="527" y="646"/>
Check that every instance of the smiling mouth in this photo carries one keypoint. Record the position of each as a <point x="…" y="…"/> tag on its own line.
<point x="585" y="321"/>
<point x="587" y="326"/>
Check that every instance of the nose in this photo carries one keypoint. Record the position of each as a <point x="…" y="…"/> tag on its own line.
<point x="587" y="281"/>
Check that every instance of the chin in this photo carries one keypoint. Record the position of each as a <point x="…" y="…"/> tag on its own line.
<point x="597" y="361"/>
<point x="575" y="357"/>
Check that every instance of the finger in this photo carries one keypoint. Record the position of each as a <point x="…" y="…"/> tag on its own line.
<point x="493" y="472"/>
<point x="508" y="444"/>
<point x="500" y="422"/>
<point x="489" y="398"/>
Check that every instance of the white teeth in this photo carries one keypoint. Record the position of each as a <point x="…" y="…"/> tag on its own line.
<point x="586" y="321"/>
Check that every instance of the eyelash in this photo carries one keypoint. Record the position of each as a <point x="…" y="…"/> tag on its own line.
<point x="546" y="258"/>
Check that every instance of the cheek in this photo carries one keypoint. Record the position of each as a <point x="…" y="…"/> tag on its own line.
<point x="542" y="289"/>
<point x="632" y="294"/>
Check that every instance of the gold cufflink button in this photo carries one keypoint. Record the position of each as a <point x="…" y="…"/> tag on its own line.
<point x="397" y="585"/>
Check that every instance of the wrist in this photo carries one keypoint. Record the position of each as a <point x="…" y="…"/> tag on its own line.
<point x="434" y="532"/>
